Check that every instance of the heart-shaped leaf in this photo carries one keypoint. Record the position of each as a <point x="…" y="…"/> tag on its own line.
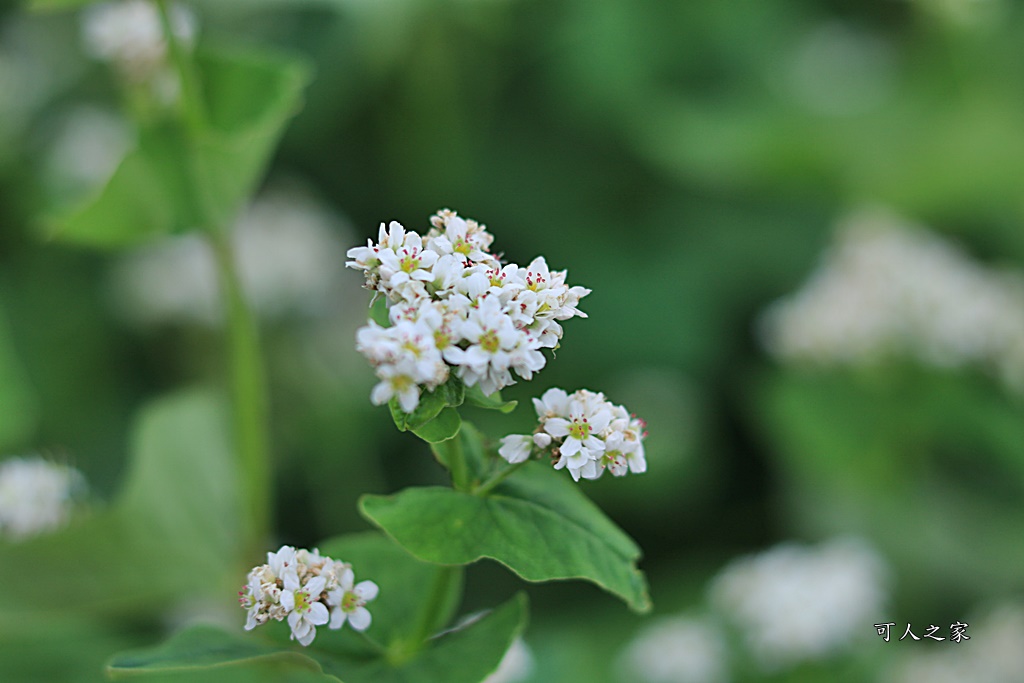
<point x="536" y="523"/>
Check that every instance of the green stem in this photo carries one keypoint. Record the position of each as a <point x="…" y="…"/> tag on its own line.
<point x="191" y="99"/>
<point x="488" y="486"/>
<point x="455" y="460"/>
<point x="249" y="398"/>
<point x="247" y="382"/>
<point x="445" y="587"/>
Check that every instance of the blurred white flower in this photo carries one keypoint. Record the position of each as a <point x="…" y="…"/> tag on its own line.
<point x="85" y="149"/>
<point x="678" y="649"/>
<point x="516" y="665"/>
<point x="288" y="253"/>
<point x="794" y="603"/>
<point x="888" y="288"/>
<point x="129" y="34"/>
<point x="36" y="496"/>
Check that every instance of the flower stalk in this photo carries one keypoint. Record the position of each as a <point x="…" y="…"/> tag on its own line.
<point x="249" y="403"/>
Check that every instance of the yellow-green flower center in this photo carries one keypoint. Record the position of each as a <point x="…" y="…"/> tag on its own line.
<point x="489" y="341"/>
<point x="401" y="382"/>
<point x="410" y="263"/>
<point x="349" y="602"/>
<point x="302" y="601"/>
<point x="579" y="430"/>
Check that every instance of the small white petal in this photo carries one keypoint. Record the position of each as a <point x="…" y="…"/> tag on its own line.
<point x="318" y="615"/>
<point x="366" y="590"/>
<point x="360" y="619"/>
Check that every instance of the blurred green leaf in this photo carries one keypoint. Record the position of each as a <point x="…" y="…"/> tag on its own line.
<point x="465" y="655"/>
<point x="173" y="183"/>
<point x="203" y="647"/>
<point x="176" y="519"/>
<point x="537" y="523"/>
<point x="250" y="97"/>
<point x="61" y="647"/>
<point x="145" y="196"/>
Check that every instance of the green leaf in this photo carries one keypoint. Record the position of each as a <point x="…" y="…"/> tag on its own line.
<point x="443" y="427"/>
<point x="431" y="403"/>
<point x="204" y="647"/>
<point x="403" y="580"/>
<point x="454" y="391"/>
<point x="466" y="655"/>
<point x="537" y="523"/>
<point x="491" y="402"/>
<point x="177" y="518"/>
<point x="392" y="649"/>
<point x="249" y="98"/>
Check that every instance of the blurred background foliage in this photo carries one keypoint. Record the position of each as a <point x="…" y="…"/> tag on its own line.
<point x="688" y="162"/>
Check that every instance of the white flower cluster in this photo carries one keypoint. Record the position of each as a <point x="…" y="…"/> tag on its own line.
<point x="890" y="289"/>
<point x="129" y="34"/>
<point x="453" y="304"/>
<point x="794" y="603"/>
<point x="583" y="432"/>
<point x="308" y="590"/>
<point x="36" y="496"/>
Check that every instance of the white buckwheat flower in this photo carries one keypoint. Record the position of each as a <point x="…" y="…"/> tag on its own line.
<point x="487" y="319"/>
<point x="492" y="338"/>
<point x="585" y="433"/>
<point x="305" y="611"/>
<point x="36" y="496"/>
<point x="516" y="447"/>
<point x="456" y="235"/>
<point x="348" y="602"/>
<point x="306" y="589"/>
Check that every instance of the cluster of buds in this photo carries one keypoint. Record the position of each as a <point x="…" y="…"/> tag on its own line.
<point x="583" y="432"/>
<point x="455" y="307"/>
<point x="308" y="590"/>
